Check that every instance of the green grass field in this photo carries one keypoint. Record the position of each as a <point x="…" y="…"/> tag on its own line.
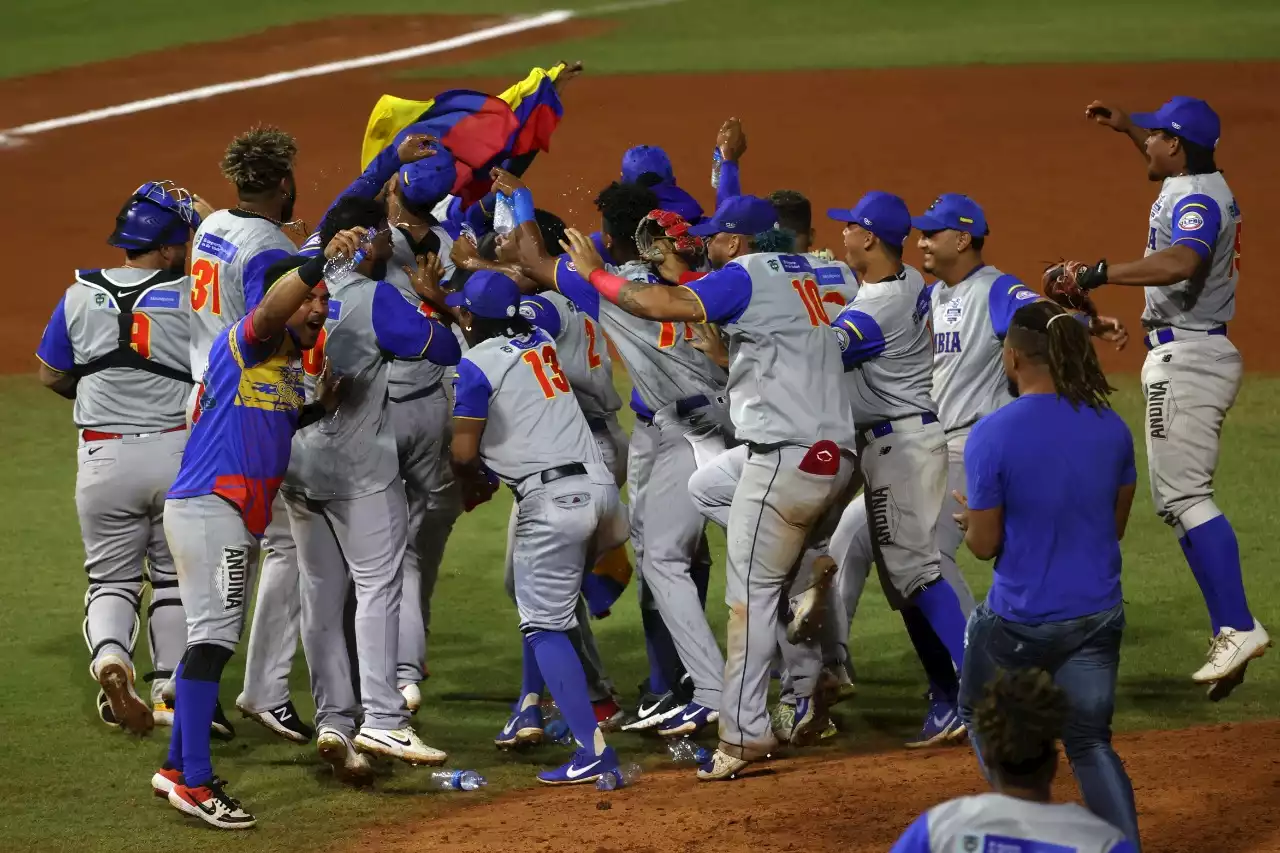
<point x="69" y="783"/>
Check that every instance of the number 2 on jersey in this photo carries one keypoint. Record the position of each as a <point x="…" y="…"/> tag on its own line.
<point x="667" y="335"/>
<point x="812" y="299"/>
<point x="204" y="286"/>
<point x="546" y="369"/>
<point x="593" y="358"/>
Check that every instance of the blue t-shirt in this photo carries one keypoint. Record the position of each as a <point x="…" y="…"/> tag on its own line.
<point x="1056" y="473"/>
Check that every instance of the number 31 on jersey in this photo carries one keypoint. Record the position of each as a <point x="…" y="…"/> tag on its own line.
<point x="204" y="286"/>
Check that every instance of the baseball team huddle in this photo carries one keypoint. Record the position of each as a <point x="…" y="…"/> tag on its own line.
<point x="332" y="405"/>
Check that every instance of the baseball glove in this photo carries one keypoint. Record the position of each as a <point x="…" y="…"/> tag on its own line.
<point x="1068" y="283"/>
<point x="664" y="226"/>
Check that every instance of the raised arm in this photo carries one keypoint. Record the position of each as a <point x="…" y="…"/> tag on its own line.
<point x="286" y="296"/>
<point x="1118" y="120"/>
<point x="732" y="143"/>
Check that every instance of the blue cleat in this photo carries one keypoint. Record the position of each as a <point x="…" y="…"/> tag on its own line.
<point x="941" y="726"/>
<point x="582" y="768"/>
<point x="689" y="721"/>
<point x="523" y="729"/>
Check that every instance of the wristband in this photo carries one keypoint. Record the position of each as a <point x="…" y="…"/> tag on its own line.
<point x="312" y="272"/>
<point x="309" y="414"/>
<point x="1093" y="277"/>
<point x="522" y="201"/>
<point x="607" y="284"/>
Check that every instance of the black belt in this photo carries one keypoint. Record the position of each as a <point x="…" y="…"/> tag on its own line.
<point x="883" y="428"/>
<point x="644" y="419"/>
<point x="573" y="469"/>
<point x="689" y="405"/>
<point x="419" y="394"/>
<point x="598" y="424"/>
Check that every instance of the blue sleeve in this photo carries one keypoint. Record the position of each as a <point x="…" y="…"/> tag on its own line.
<point x="311" y="246"/>
<point x="539" y="311"/>
<point x="255" y="273"/>
<point x="916" y="837"/>
<point x="863" y="340"/>
<point x="1006" y="297"/>
<point x="55" y="345"/>
<point x="1196" y="222"/>
<point x="247" y="351"/>
<point x="983" y="486"/>
<point x="471" y="392"/>
<point x="1123" y="846"/>
<point x="374" y="178"/>
<point x="598" y="239"/>
<point x="578" y="290"/>
<point x="724" y="294"/>
<point x="406" y="332"/>
<point x="478" y="216"/>
<point x="730" y="183"/>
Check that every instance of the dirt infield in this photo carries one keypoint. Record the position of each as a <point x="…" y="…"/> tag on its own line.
<point x="1014" y="138"/>
<point x="1198" y="790"/>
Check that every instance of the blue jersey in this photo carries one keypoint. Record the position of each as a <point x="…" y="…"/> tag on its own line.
<point x="1060" y="557"/>
<point x="244" y="423"/>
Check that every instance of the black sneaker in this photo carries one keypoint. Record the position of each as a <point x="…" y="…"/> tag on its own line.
<point x="221" y="728"/>
<point x="654" y="710"/>
<point x="283" y="721"/>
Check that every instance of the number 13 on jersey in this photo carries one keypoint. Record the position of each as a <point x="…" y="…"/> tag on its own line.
<point x="546" y="369"/>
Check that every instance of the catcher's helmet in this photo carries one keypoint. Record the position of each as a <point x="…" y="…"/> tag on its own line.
<point x="157" y="214"/>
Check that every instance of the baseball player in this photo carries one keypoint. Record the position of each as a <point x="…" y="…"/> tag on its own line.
<point x="515" y="415"/>
<point x="1192" y="372"/>
<point x="346" y="503"/>
<point x="117" y="344"/>
<point x="219" y="506"/>
<point x="649" y="166"/>
<point x="683" y="390"/>
<point x="1019" y="720"/>
<point x="788" y="405"/>
<point x="273" y="639"/>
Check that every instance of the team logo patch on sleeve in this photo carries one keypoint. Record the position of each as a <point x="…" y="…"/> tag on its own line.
<point x="1024" y="293"/>
<point x="527" y="312"/>
<point x="1190" y="221"/>
<point x="842" y="338"/>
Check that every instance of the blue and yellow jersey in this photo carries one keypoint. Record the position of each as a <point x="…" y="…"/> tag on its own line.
<point x="244" y="423"/>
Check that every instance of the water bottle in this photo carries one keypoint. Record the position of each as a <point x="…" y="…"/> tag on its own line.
<point x="457" y="780"/>
<point x="504" y="215"/>
<point x="716" y="159"/>
<point x="624" y="777"/>
<point x="339" y="265"/>
<point x="686" y="751"/>
<point x="557" y="731"/>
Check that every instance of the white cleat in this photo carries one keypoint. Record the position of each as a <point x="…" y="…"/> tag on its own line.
<point x="810" y="606"/>
<point x="403" y="744"/>
<point x="115" y="675"/>
<point x="721" y="767"/>
<point x="348" y="764"/>
<point x="1231" y="651"/>
<point x="412" y="697"/>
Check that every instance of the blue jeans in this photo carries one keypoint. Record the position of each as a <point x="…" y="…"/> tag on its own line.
<point x="1083" y="655"/>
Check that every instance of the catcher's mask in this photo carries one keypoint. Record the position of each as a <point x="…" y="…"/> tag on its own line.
<point x="159" y="213"/>
<point x="663" y="225"/>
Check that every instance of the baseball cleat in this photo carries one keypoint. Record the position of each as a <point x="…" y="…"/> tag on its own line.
<point x="941" y="725"/>
<point x="691" y="720"/>
<point x="114" y="674"/>
<point x="782" y="721"/>
<point x="412" y="697"/>
<point x="211" y="803"/>
<point x="653" y="710"/>
<point x="402" y="743"/>
<point x="337" y="750"/>
<point x="104" y="711"/>
<point x="161" y="713"/>
<point x="809" y="607"/>
<point x="609" y="715"/>
<point x="1222" y="688"/>
<point x="582" y="768"/>
<point x="838" y="684"/>
<point x="721" y="767"/>
<point x="165" y="780"/>
<point x="1231" y="650"/>
<point x="283" y="721"/>
<point x="810" y="720"/>
<point x="221" y="728"/>
<point x="523" y="728"/>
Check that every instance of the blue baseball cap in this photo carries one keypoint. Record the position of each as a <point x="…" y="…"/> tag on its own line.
<point x="425" y="182"/>
<point x="488" y="294"/>
<point x="883" y="214"/>
<point x="742" y="214"/>
<point x="953" y="212"/>
<point x="646" y="158"/>
<point x="1190" y="118"/>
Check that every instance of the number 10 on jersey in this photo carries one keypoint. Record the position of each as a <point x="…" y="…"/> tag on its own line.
<point x="812" y="299"/>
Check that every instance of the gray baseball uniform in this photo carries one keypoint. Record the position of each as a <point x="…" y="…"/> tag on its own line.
<point x="124" y="333"/>
<point x="420" y="412"/>
<point x="991" y="822"/>
<point x="683" y="389"/>
<point x="789" y="405"/>
<point x="347" y="507"/>
<point x="1192" y="373"/>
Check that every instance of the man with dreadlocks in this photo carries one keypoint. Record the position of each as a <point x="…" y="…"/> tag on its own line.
<point x="1052" y="514"/>
<point x="1018" y="721"/>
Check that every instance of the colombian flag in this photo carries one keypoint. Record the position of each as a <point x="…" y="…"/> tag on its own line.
<point x="480" y="131"/>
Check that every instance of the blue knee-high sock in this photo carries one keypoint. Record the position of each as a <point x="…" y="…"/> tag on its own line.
<point x="175" y="737"/>
<point x="700" y="569"/>
<point x="193" y="713"/>
<point x="665" y="657"/>
<point x="933" y="654"/>
<point x="1218" y="554"/>
<point x="1195" y="560"/>
<point x="568" y="685"/>
<point x="531" y="680"/>
<point x="657" y="682"/>
<point x="940" y="606"/>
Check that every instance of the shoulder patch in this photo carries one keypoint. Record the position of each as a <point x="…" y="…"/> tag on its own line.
<point x="527" y="311"/>
<point x="212" y="244"/>
<point x="829" y="275"/>
<point x="1190" y="221"/>
<point x="1025" y="293"/>
<point x="842" y="338"/>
